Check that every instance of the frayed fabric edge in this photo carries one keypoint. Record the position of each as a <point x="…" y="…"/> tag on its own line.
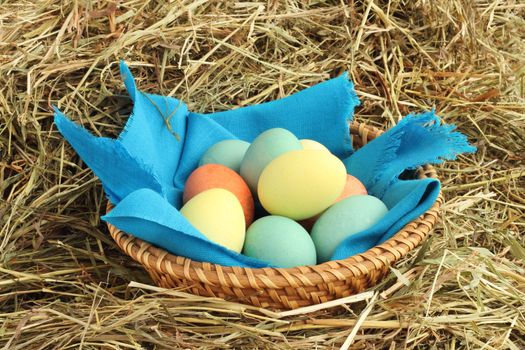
<point x="351" y="101"/>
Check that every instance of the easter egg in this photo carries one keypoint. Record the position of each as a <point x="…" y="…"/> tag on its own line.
<point x="301" y="184"/>
<point x="311" y="144"/>
<point x="219" y="176"/>
<point x="343" y="219"/>
<point x="218" y="215"/>
<point x="352" y="187"/>
<point x="228" y="153"/>
<point x="266" y="147"/>
<point x="279" y="241"/>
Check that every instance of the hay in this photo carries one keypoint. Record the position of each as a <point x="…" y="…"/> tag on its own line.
<point x="64" y="284"/>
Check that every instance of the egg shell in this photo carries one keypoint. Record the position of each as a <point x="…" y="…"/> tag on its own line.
<point x="228" y="153"/>
<point x="311" y="144"/>
<point x="219" y="176"/>
<point x="218" y="215"/>
<point x="301" y="184"/>
<point x="266" y="147"/>
<point x="345" y="218"/>
<point x="279" y="241"/>
<point x="352" y="187"/>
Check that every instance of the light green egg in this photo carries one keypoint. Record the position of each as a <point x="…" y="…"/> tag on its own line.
<point x="266" y="147"/>
<point x="228" y="153"/>
<point x="343" y="219"/>
<point x="279" y="241"/>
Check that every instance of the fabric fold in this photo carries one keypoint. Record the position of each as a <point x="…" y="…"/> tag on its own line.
<point x="321" y="112"/>
<point x="414" y="141"/>
<point x="119" y="171"/>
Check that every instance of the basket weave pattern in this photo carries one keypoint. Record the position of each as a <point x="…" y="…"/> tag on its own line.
<point x="280" y="288"/>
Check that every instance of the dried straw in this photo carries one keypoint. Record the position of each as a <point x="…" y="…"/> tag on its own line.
<point x="63" y="283"/>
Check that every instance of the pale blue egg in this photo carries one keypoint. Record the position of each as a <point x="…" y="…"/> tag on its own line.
<point x="343" y="219"/>
<point x="279" y="241"/>
<point x="228" y="153"/>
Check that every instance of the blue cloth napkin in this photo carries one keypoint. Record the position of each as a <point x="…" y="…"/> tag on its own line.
<point x="143" y="171"/>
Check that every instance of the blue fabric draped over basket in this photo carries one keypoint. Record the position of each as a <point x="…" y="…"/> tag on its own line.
<point x="143" y="171"/>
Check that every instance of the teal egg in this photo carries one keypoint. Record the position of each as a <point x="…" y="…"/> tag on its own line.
<point x="343" y="219"/>
<point x="266" y="147"/>
<point x="279" y="241"/>
<point x="228" y="153"/>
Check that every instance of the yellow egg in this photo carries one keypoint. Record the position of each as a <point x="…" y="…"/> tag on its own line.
<point x="301" y="184"/>
<point x="311" y="144"/>
<point x="218" y="215"/>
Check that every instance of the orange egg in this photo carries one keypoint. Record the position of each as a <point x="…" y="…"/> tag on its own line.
<point x="219" y="176"/>
<point x="352" y="187"/>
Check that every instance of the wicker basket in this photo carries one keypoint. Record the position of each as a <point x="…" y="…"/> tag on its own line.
<point x="280" y="288"/>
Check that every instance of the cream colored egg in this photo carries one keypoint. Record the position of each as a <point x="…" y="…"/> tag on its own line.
<point x="311" y="144"/>
<point x="301" y="184"/>
<point x="218" y="215"/>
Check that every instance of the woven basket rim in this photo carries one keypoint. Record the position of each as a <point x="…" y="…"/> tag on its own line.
<point x="377" y="257"/>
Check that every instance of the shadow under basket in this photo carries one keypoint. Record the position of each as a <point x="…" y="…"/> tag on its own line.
<point x="285" y="288"/>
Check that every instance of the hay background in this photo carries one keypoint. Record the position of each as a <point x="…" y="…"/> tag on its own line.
<point x="64" y="284"/>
